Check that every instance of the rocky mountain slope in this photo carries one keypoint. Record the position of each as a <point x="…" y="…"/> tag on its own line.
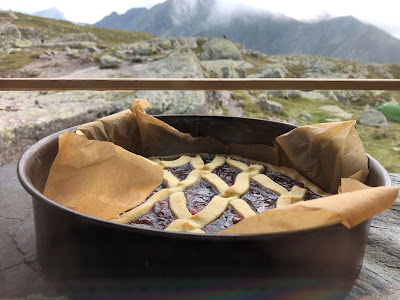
<point x="88" y="52"/>
<point x="343" y="37"/>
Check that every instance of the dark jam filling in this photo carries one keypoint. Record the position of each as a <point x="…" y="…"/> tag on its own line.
<point x="228" y="218"/>
<point x="207" y="158"/>
<point x="158" y="218"/>
<point x="199" y="195"/>
<point x="259" y="198"/>
<point x="181" y="172"/>
<point x="288" y="183"/>
<point x="227" y="173"/>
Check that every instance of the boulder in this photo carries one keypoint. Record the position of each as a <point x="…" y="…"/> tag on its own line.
<point x="188" y="42"/>
<point x="354" y="96"/>
<point x="305" y="116"/>
<point x="23" y="43"/>
<point x="328" y="94"/>
<point x="371" y="117"/>
<point x="10" y="31"/>
<point x="178" y="64"/>
<point x="141" y="48"/>
<point x="217" y="48"/>
<point x="337" y="111"/>
<point x="108" y="61"/>
<point x="271" y="106"/>
<point x="225" y="68"/>
<point x="160" y="42"/>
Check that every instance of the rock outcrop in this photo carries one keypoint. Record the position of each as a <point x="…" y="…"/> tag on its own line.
<point x="215" y="49"/>
<point x="225" y="68"/>
<point x="371" y="117"/>
<point x="108" y="61"/>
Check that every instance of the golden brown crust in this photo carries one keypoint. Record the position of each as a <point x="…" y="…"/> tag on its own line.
<point x="229" y="195"/>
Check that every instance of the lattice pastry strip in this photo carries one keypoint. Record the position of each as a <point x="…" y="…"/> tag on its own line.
<point x="229" y="195"/>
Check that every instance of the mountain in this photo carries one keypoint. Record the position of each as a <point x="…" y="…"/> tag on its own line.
<point x="52" y="13"/>
<point x="270" y="33"/>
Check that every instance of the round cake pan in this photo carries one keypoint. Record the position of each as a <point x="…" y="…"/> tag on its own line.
<point x="73" y="245"/>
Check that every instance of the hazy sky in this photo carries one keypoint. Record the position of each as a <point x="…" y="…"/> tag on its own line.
<point x="383" y="13"/>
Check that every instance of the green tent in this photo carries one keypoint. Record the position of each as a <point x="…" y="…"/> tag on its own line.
<point x="391" y="111"/>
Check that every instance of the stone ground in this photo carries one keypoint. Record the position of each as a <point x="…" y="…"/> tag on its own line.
<point x="20" y="273"/>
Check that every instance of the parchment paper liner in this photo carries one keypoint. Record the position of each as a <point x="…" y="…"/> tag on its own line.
<point x="90" y="178"/>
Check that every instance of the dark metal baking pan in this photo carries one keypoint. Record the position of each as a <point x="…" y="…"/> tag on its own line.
<point x="73" y="245"/>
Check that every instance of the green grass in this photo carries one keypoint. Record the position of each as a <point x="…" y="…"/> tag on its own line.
<point x="250" y="109"/>
<point x="395" y="70"/>
<point x="257" y="62"/>
<point x="11" y="62"/>
<point x="378" y="142"/>
<point x="296" y="71"/>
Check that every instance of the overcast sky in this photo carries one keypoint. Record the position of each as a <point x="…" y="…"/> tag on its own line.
<point x="383" y="13"/>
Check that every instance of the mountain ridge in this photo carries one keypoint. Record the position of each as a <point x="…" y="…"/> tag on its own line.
<point x="52" y="13"/>
<point x="273" y="34"/>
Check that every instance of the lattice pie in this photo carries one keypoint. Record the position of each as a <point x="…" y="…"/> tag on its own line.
<point x="209" y="193"/>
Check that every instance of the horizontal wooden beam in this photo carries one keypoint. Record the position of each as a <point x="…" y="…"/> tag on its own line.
<point x="64" y="84"/>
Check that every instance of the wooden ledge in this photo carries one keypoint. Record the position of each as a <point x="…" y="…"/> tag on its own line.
<point x="103" y="84"/>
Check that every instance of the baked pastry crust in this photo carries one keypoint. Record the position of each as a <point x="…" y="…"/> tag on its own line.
<point x="228" y="195"/>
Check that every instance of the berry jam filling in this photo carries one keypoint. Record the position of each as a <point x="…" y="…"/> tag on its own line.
<point x="227" y="173"/>
<point x="181" y="172"/>
<point x="288" y="183"/>
<point x="228" y="218"/>
<point x="159" y="188"/>
<point x="199" y="195"/>
<point x="207" y="158"/>
<point x="259" y="198"/>
<point x="158" y="218"/>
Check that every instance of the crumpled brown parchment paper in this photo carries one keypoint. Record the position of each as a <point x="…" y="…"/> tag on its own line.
<point x="324" y="153"/>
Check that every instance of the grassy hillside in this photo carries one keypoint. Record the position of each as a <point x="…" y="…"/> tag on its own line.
<point x="54" y="28"/>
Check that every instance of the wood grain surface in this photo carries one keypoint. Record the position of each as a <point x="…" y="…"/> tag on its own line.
<point x="40" y="84"/>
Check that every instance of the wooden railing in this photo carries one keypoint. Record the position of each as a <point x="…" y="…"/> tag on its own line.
<point x="40" y="84"/>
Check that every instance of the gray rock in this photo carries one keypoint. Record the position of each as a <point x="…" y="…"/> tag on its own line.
<point x="337" y="111"/>
<point x="312" y="95"/>
<point x="19" y="274"/>
<point x="271" y="71"/>
<point x="109" y="62"/>
<point x="217" y="48"/>
<point x="75" y="40"/>
<point x="283" y="94"/>
<point x="10" y="31"/>
<point x="23" y="43"/>
<point x="225" y="68"/>
<point x="351" y="96"/>
<point x="271" y="106"/>
<point x="141" y="48"/>
<point x="80" y="37"/>
<point x="188" y="42"/>
<point x="371" y="117"/>
<point x="323" y="94"/>
<point x="161" y="43"/>
<point x="179" y="64"/>
<point x="305" y="116"/>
